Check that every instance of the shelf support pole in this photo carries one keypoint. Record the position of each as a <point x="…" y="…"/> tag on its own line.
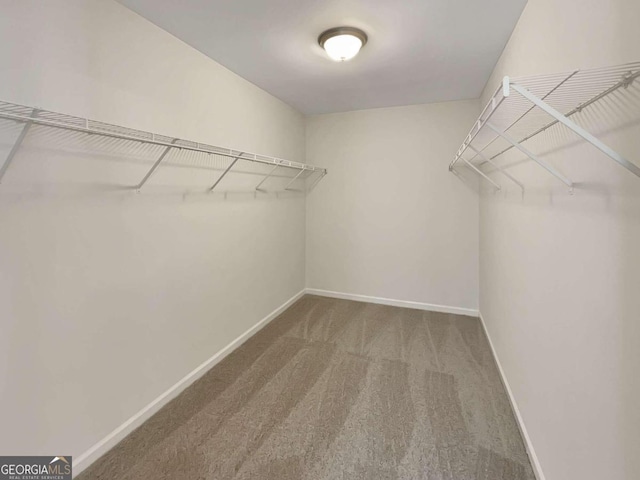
<point x="17" y="144"/>
<point x="268" y="175"/>
<point x="155" y="165"/>
<point x="294" y="179"/>
<point x="532" y="156"/>
<point x="497" y="167"/>
<point x="577" y="129"/>
<point x="481" y="173"/>
<point x="225" y="172"/>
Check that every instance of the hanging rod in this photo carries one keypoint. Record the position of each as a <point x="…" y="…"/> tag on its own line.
<point x="30" y="116"/>
<point x="541" y="102"/>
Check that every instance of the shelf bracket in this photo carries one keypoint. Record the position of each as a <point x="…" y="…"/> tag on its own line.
<point x="485" y="116"/>
<point x="317" y="180"/>
<point x="268" y="175"/>
<point x="481" y="173"/>
<point x="155" y="165"/>
<point x="506" y="83"/>
<point x="497" y="167"/>
<point x="633" y="168"/>
<point x="225" y="172"/>
<point x="294" y="179"/>
<point x="17" y="144"/>
<point x="532" y="156"/>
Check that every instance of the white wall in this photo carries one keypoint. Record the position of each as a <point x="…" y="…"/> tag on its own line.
<point x="108" y="297"/>
<point x="560" y="274"/>
<point x="389" y="220"/>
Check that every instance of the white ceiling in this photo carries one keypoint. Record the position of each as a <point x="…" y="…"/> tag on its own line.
<point x="419" y="51"/>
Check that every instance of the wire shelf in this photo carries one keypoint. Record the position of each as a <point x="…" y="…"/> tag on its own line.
<point x="522" y="108"/>
<point x="32" y="116"/>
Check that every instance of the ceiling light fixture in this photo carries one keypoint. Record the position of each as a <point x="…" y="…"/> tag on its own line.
<point x="342" y="43"/>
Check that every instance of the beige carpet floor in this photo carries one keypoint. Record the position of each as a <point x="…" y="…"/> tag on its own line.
<point x="334" y="389"/>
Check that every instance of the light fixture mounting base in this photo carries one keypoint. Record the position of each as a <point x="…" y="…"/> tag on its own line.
<point x="334" y="32"/>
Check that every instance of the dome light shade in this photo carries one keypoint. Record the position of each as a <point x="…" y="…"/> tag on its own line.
<point x="342" y="43"/>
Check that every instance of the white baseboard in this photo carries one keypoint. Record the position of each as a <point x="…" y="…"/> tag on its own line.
<point x="535" y="463"/>
<point x="394" y="303"/>
<point x="108" y="442"/>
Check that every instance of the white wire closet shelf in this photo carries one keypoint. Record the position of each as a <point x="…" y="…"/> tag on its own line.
<point x="30" y="116"/>
<point x="522" y="108"/>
